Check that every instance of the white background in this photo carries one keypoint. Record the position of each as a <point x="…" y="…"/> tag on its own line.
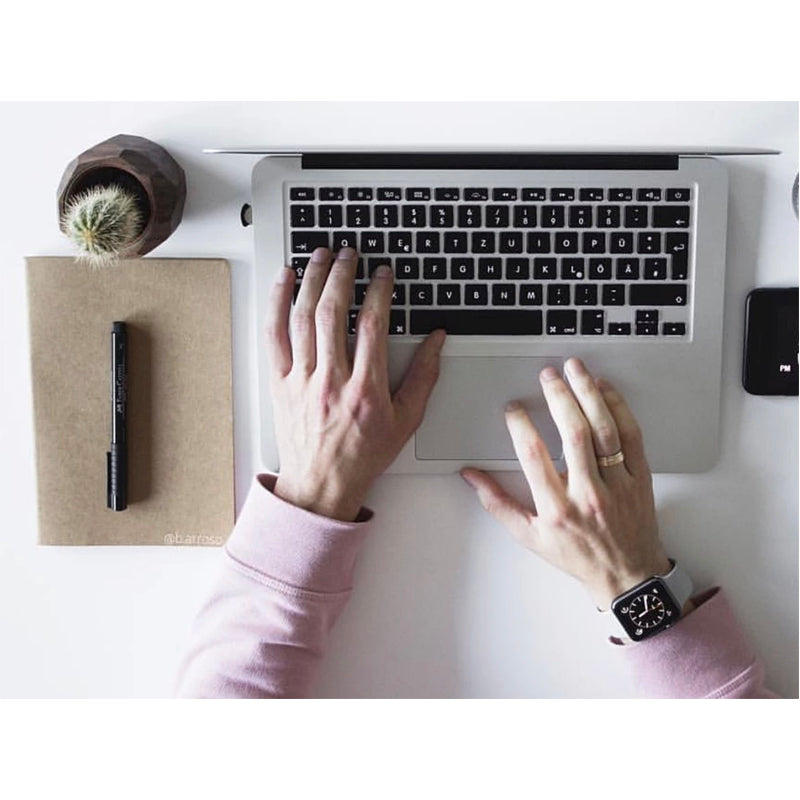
<point x="446" y="604"/>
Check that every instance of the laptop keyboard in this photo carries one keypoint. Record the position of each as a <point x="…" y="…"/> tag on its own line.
<point x="582" y="261"/>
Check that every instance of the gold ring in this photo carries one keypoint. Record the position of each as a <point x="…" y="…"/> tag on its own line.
<point x="612" y="460"/>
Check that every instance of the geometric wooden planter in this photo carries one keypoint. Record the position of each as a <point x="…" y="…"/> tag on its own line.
<point x="143" y="168"/>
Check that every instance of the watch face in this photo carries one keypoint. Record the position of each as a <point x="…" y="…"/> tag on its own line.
<point x="646" y="609"/>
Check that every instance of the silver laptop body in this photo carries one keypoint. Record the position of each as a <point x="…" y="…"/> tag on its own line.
<point x="672" y="382"/>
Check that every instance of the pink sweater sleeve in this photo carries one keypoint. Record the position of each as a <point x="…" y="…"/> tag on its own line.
<point x="287" y="574"/>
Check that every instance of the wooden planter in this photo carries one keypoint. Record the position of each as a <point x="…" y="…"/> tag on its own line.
<point x="143" y="168"/>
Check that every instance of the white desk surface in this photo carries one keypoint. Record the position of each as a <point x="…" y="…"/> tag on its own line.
<point x="446" y="604"/>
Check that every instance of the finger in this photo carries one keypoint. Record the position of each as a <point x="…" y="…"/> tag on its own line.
<point x="605" y="436"/>
<point x="547" y="488"/>
<point x="500" y="504"/>
<point x="276" y="327"/>
<point x="573" y="427"/>
<point x="412" y="397"/>
<point x="303" y="325"/>
<point x="630" y="433"/>
<point x="372" y="330"/>
<point x="331" y="313"/>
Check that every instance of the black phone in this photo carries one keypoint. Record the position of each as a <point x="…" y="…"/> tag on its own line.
<point x="771" y="341"/>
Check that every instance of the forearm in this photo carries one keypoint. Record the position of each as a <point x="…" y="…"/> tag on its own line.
<point x="286" y="577"/>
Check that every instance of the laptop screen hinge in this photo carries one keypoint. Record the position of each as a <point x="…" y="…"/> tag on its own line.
<point x="466" y="161"/>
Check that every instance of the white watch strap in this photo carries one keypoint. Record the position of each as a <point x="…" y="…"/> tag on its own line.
<point x="679" y="585"/>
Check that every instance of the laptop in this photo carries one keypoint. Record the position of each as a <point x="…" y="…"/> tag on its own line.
<point x="525" y="258"/>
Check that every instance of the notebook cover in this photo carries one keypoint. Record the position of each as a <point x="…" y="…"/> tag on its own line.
<point x="180" y="419"/>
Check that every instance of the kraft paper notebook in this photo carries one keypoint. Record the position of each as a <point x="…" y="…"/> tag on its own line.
<point x="180" y="419"/>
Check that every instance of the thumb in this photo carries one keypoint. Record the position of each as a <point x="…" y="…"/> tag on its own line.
<point x="499" y="503"/>
<point x="420" y="378"/>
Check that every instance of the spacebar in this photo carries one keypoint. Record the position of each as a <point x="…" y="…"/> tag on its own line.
<point x="485" y="322"/>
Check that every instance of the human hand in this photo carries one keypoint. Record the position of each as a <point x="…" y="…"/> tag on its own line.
<point x="596" y="523"/>
<point x="337" y="425"/>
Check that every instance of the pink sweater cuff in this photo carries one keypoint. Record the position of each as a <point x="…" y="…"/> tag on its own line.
<point x="295" y="546"/>
<point x="704" y="655"/>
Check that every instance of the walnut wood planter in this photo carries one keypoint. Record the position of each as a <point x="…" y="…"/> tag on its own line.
<point x="143" y="168"/>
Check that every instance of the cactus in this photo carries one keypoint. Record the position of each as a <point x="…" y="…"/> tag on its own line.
<point x="102" y="222"/>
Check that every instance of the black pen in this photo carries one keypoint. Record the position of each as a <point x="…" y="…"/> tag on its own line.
<point x="117" y="457"/>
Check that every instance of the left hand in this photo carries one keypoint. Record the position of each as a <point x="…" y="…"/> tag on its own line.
<point x="337" y="425"/>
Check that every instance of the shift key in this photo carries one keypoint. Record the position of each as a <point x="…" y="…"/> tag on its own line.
<point x="659" y="294"/>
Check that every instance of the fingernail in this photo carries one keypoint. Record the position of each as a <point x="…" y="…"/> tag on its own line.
<point x="346" y="253"/>
<point x="383" y="271"/>
<point x="320" y="254"/>
<point x="576" y="367"/>
<point x="514" y="405"/>
<point x="548" y="374"/>
<point x="441" y="336"/>
<point x="287" y="275"/>
<point x="466" y="480"/>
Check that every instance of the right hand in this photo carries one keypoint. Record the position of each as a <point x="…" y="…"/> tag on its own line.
<point x="595" y="523"/>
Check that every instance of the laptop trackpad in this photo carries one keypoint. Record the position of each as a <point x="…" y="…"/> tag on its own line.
<point x="465" y="418"/>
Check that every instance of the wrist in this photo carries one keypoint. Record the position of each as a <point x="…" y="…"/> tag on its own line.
<point x="606" y="589"/>
<point x="325" y="500"/>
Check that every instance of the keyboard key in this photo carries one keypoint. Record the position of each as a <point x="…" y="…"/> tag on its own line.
<point x="497" y="216"/>
<point x="401" y="242"/>
<point x="374" y="263"/>
<point x="473" y="194"/>
<point x="591" y="195"/>
<point x="678" y="195"/>
<point x="299" y="264"/>
<point x="434" y="269"/>
<point x="386" y="216"/>
<point x="421" y="294"/>
<point x="455" y="242"/>
<point x="594" y="243"/>
<point x="636" y="216"/>
<point x="301" y="216"/>
<point x="671" y="216"/>
<point x="580" y="216"/>
<point x="600" y="269"/>
<point x="448" y="294"/>
<point x="530" y="294"/>
<point x="360" y="293"/>
<point x="544" y="269"/>
<point x="572" y="269"/>
<point x="307" y="241"/>
<point x="498" y="322"/>
<point x="482" y="242"/>
<point x="621" y="243"/>
<point x="674" y="329"/>
<point x="613" y="294"/>
<point x="476" y="294"/>
<point x="511" y="242"/>
<point x="608" y="216"/>
<point x="677" y="244"/>
<point x="397" y="322"/>
<point x="648" y="243"/>
<point x="331" y="216"/>
<point x="628" y="269"/>
<point x="586" y="294"/>
<point x="538" y="242"/>
<point x="371" y="242"/>
<point x="357" y="216"/>
<point x="344" y="239"/>
<point x="470" y="217"/>
<point x="592" y="322"/>
<point x="301" y="193"/>
<point x="504" y="194"/>
<point x="447" y="193"/>
<point x="428" y="243"/>
<point x="489" y="269"/>
<point x="647" y="329"/>
<point x="562" y="194"/>
<point x="524" y="216"/>
<point x="517" y="269"/>
<point x="442" y="217"/>
<point x="644" y="195"/>
<point x="659" y="294"/>
<point x="504" y="294"/>
<point x="357" y="193"/>
<point x="413" y="216"/>
<point x="558" y="294"/>
<point x="388" y="193"/>
<point x="566" y="242"/>
<point x="615" y="195"/>
<point x="418" y="194"/>
<point x="331" y="193"/>
<point x="619" y="329"/>
<point x="552" y="216"/>
<point x="408" y="268"/>
<point x="534" y="194"/>
<point x="462" y="268"/>
<point x="655" y="269"/>
<point x="562" y="322"/>
<point x="646" y="315"/>
<point x="399" y="294"/>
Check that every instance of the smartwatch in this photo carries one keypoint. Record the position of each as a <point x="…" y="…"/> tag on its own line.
<point x="651" y="606"/>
